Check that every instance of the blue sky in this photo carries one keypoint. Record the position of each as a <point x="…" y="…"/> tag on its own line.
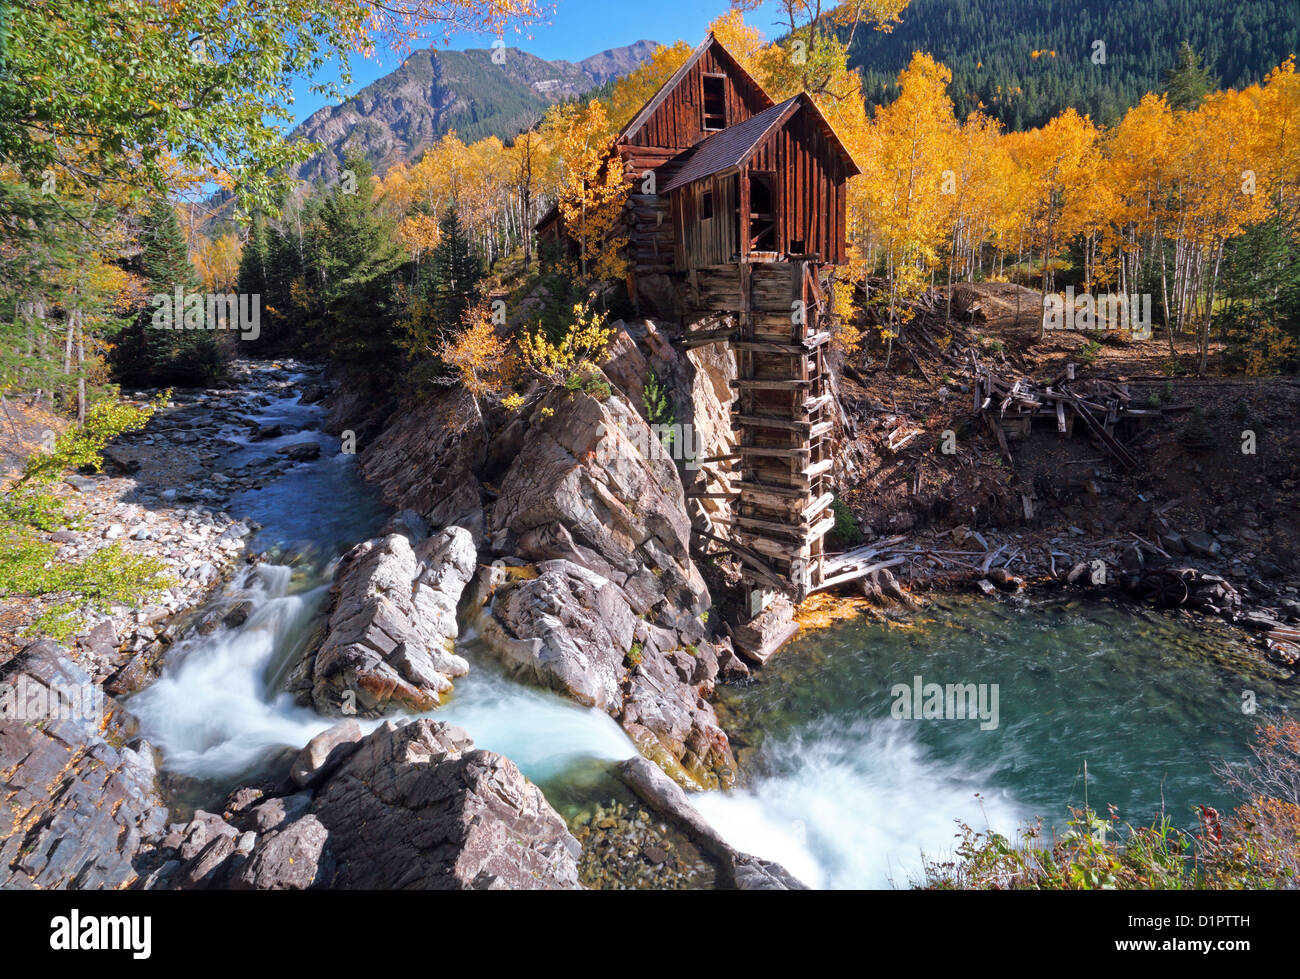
<point x="576" y="29"/>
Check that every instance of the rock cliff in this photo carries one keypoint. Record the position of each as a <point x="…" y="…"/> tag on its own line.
<point x="586" y="582"/>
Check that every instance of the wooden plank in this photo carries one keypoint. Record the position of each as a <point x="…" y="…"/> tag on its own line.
<point x="821" y="529"/>
<point x="817" y="469"/>
<point x="791" y="492"/>
<point x="759" y="384"/>
<point x="771" y="347"/>
<point x="750" y="557"/>
<point x="817" y="506"/>
<point x="1125" y="457"/>
<point x="776" y="453"/>
<point x="781" y="550"/>
<point x="768" y="421"/>
<point x="793" y="531"/>
<point x="830" y="581"/>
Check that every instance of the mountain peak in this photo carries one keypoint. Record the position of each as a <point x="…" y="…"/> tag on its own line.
<point x="395" y="118"/>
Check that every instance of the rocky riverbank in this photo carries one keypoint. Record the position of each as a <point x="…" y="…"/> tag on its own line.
<point x="456" y="816"/>
<point x="164" y="493"/>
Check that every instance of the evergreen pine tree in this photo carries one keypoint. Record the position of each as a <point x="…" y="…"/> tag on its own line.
<point x="252" y="261"/>
<point x="357" y="255"/>
<point x="1187" y="83"/>
<point x="456" y="272"/>
<point x="150" y="355"/>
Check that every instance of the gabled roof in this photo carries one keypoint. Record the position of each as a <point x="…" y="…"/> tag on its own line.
<point x="648" y="109"/>
<point x="728" y="149"/>
<point x="731" y="148"/>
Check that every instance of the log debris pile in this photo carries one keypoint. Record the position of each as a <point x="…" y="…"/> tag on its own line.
<point x="1101" y="408"/>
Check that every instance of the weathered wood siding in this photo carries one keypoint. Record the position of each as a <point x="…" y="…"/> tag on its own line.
<point x="705" y="242"/>
<point x="808" y="179"/>
<point x="678" y="122"/>
<point x="810" y="189"/>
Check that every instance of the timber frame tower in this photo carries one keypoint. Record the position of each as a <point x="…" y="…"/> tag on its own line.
<point x="736" y="213"/>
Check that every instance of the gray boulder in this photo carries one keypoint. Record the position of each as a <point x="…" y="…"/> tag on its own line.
<point x="391" y="631"/>
<point x="418" y="807"/>
<point x="293" y="858"/>
<point x="414" y="806"/>
<point x="568" y="629"/>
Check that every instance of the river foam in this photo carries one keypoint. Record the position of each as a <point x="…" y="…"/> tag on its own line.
<point x="856" y="805"/>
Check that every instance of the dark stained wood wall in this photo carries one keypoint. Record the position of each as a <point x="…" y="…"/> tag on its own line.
<point x="809" y="186"/>
<point x="678" y="121"/>
<point x="811" y="198"/>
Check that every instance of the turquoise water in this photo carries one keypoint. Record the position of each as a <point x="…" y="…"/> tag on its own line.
<point x="835" y="787"/>
<point x="848" y="794"/>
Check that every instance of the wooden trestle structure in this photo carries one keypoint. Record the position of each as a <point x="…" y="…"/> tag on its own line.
<point x="738" y="205"/>
<point x="781" y="464"/>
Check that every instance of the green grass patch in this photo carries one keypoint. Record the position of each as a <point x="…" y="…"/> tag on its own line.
<point x="29" y="566"/>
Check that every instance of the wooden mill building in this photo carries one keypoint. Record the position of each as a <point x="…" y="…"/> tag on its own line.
<point x="740" y="202"/>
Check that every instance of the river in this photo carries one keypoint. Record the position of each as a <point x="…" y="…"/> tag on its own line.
<point x="835" y="787"/>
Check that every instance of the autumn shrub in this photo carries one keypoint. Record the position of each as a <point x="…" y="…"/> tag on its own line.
<point x="1259" y="844"/>
<point x="82" y="446"/>
<point x="30" y="566"/>
<point x="572" y="361"/>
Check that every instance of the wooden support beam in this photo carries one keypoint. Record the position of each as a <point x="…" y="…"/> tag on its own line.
<point x="783" y="531"/>
<point x="814" y="405"/>
<point x="817" y="506"/>
<point x="820" y="529"/>
<point x="776" y="453"/>
<point x="766" y="385"/>
<point x="770" y="421"/>
<point x="831" y="580"/>
<point x="771" y="347"/>
<point x="790" y="492"/>
<point x="751" y="558"/>
<point x="703" y="337"/>
<point x="817" y="469"/>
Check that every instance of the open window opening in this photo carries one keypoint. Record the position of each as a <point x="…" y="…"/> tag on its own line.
<point x="762" y="213"/>
<point x="706" y="206"/>
<point x="715" y="102"/>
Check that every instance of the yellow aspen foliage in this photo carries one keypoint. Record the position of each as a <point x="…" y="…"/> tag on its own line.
<point x="899" y="201"/>
<point x="593" y="190"/>
<point x="217" y="261"/>
<point x="480" y="358"/>
<point x="576" y="354"/>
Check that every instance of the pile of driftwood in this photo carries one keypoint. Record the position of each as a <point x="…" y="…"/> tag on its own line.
<point x="1012" y="407"/>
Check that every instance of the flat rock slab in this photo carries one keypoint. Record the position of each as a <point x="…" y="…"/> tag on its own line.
<point x="76" y="808"/>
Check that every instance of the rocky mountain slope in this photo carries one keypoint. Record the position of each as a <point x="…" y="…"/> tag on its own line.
<point x="395" y="118"/>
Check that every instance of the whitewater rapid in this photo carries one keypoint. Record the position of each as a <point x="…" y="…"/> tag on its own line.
<point x="858" y="804"/>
